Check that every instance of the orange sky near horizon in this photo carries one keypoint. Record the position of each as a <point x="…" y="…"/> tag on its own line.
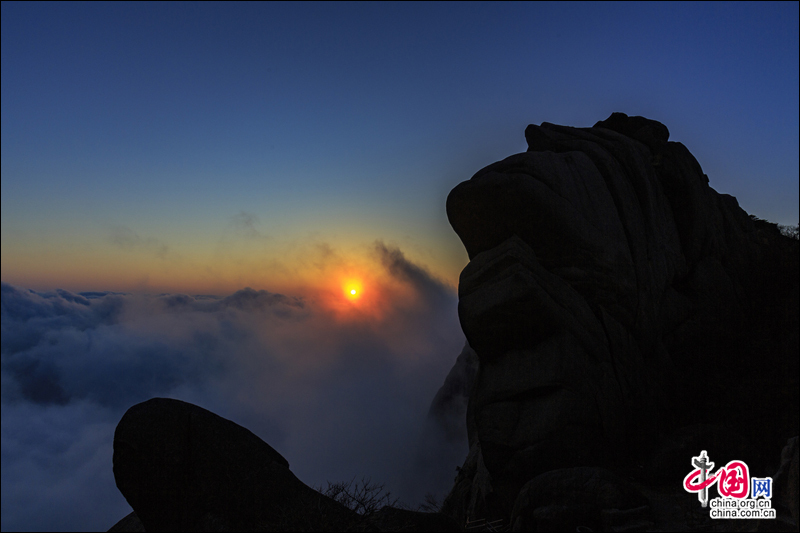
<point x="313" y="270"/>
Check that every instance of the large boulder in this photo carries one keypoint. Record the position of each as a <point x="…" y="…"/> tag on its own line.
<point x="183" y="468"/>
<point x="612" y="297"/>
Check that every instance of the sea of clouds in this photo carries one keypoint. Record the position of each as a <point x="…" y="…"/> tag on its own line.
<point x="340" y="399"/>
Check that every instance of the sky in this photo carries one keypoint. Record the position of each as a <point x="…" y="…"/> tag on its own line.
<point x="189" y="192"/>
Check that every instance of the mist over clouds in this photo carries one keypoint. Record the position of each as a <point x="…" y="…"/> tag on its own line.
<point x="246" y="224"/>
<point x="124" y="237"/>
<point x="339" y="397"/>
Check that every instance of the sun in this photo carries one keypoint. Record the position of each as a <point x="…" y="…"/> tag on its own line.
<point x="352" y="289"/>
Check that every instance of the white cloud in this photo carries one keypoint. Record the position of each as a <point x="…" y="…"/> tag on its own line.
<point x="338" y="399"/>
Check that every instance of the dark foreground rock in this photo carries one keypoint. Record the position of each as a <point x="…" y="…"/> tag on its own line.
<point x="183" y="468"/>
<point x="786" y="482"/>
<point x="566" y="499"/>
<point x="129" y="524"/>
<point x="624" y="314"/>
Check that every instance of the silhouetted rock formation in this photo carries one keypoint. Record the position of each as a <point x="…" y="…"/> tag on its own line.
<point x="449" y="406"/>
<point x="613" y="297"/>
<point x="129" y="524"/>
<point x="183" y="468"/>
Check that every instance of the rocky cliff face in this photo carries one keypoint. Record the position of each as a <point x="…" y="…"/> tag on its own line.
<point x="622" y="311"/>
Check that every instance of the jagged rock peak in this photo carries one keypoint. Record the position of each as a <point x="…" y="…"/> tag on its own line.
<point x="604" y="272"/>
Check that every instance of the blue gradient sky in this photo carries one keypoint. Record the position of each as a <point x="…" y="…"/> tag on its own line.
<point x="339" y="124"/>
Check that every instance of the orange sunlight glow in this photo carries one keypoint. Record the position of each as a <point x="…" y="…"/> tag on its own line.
<point x="352" y="289"/>
<point x="363" y="296"/>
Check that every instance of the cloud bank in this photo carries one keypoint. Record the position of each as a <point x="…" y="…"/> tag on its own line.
<point x="338" y="397"/>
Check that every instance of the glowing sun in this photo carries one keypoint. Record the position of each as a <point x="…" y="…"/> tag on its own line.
<point x="352" y="289"/>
